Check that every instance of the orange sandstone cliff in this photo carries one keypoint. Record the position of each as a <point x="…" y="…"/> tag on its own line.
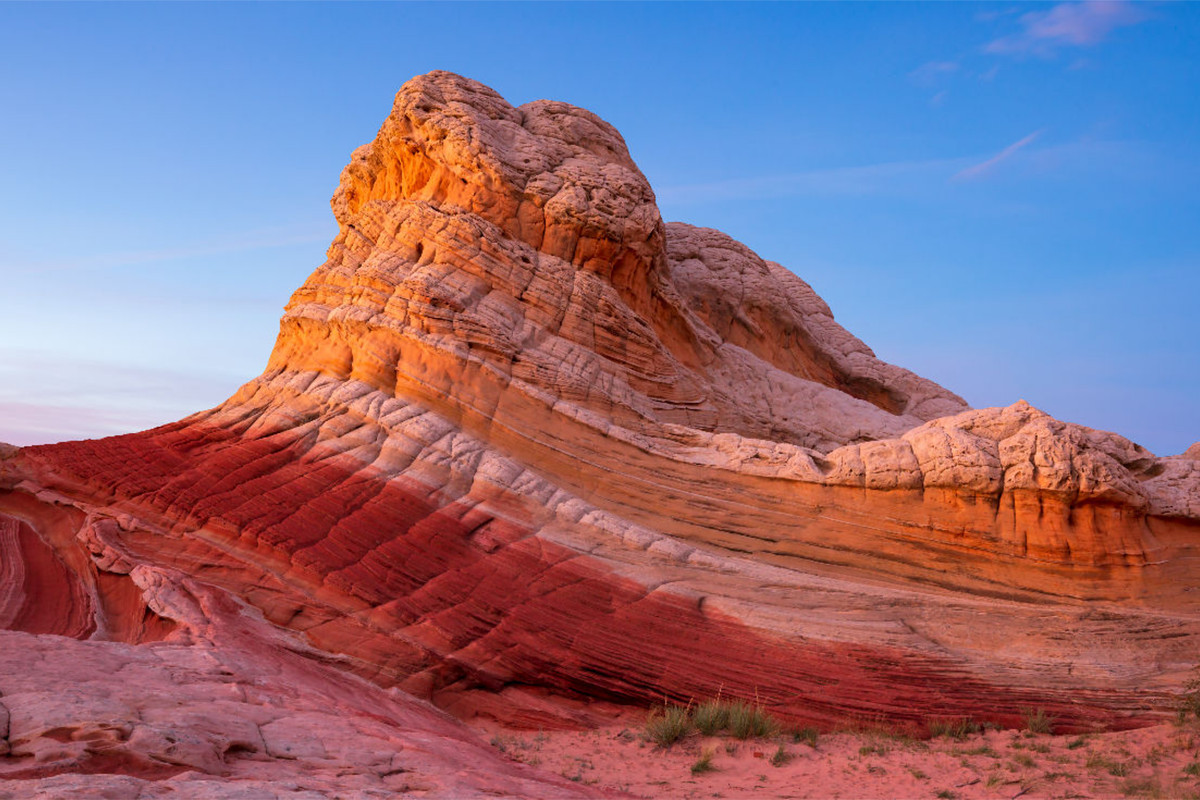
<point x="528" y="453"/>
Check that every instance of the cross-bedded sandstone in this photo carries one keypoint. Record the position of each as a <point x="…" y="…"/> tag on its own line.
<point x="527" y="451"/>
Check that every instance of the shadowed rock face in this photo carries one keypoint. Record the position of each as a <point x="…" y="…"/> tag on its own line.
<point x="523" y="449"/>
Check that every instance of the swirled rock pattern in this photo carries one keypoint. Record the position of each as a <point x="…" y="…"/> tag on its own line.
<point x="228" y="706"/>
<point x="527" y="451"/>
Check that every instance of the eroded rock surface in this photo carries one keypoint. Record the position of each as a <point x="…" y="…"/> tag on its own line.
<point x="226" y="706"/>
<point x="526" y="451"/>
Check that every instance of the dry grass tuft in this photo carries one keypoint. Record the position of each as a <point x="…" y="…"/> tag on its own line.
<point x="748" y="720"/>
<point x="704" y="763"/>
<point x="953" y="727"/>
<point x="711" y="717"/>
<point x="668" y="725"/>
<point x="1037" y="720"/>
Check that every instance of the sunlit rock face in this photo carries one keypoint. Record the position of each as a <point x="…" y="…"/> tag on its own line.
<point x="527" y="451"/>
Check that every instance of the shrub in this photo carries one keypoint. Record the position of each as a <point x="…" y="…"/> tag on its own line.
<point x="953" y="727"/>
<point x="1147" y="787"/>
<point x="1037" y="720"/>
<point x="781" y="757"/>
<point x="1189" y="701"/>
<point x="746" y="720"/>
<point x="668" y="726"/>
<point x="711" y="717"/>
<point x="982" y="750"/>
<point x="703" y="763"/>
<point x="806" y="735"/>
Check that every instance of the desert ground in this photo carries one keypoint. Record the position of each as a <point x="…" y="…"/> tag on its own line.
<point x="1158" y="761"/>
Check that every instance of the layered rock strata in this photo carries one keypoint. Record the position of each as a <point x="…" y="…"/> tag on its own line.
<point x="527" y="451"/>
<point x="225" y="706"/>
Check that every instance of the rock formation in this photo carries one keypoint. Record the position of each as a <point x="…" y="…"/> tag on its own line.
<point x="526" y="451"/>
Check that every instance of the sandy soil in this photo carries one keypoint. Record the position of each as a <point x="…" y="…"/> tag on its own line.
<point x="1162" y="761"/>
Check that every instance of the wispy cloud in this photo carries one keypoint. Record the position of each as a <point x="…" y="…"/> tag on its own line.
<point x="36" y="423"/>
<point x="1088" y="156"/>
<point x="46" y="397"/>
<point x="1067" y="25"/>
<point x="929" y="72"/>
<point x="984" y="167"/>
<point x="867" y="179"/>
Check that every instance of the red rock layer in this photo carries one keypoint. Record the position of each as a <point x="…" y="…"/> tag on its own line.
<point x="53" y="583"/>
<point x="227" y="707"/>
<point x="38" y="594"/>
<point x="449" y="600"/>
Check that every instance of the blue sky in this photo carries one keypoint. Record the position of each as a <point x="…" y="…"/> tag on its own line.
<point x="1001" y="197"/>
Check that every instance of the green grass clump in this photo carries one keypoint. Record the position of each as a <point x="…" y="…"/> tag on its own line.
<point x="667" y="726"/>
<point x="1076" y="743"/>
<point x="748" y="720"/>
<point x="1147" y="787"/>
<point x="953" y="727"/>
<point x="742" y="719"/>
<point x="1118" y="769"/>
<point x="1037" y="720"/>
<point x="711" y="717"/>
<point x="806" y="736"/>
<point x="781" y="757"/>
<point x="982" y="750"/>
<point x="1054" y="776"/>
<point x="704" y="763"/>
<point x="1193" y="769"/>
<point x="1189" y="701"/>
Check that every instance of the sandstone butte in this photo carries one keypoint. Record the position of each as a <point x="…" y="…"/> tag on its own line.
<point x="525" y="453"/>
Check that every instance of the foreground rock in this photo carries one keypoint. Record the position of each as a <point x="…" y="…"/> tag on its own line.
<point x="526" y="451"/>
<point x="226" y="706"/>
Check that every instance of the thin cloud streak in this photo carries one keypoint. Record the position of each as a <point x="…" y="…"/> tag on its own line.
<point x="861" y="180"/>
<point x="83" y="398"/>
<point x="25" y="424"/>
<point x="983" y="167"/>
<point x="928" y="73"/>
<point x="906" y="177"/>
<point x="1067" y="25"/>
